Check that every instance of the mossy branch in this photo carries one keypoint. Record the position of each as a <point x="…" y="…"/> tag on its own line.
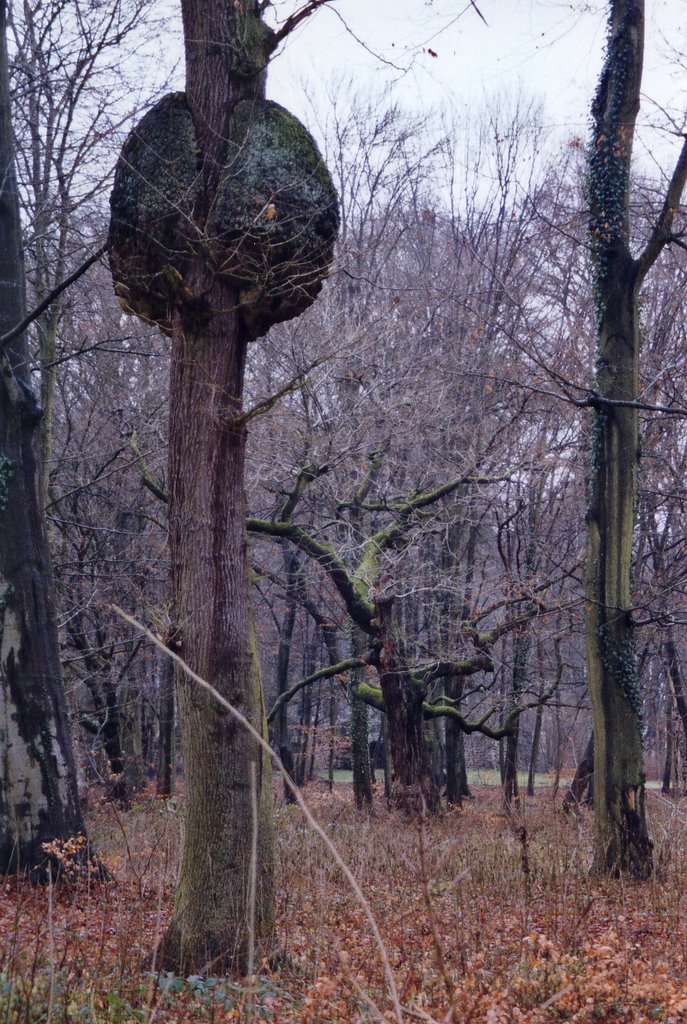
<point x="481" y="662"/>
<point x="372" y="695"/>
<point x="376" y="463"/>
<point x="303" y="480"/>
<point x="147" y="478"/>
<point x="358" y="607"/>
<point x="323" y="673"/>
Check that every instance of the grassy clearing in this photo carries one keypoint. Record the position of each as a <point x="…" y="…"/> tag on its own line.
<point x="492" y="777"/>
<point x="496" y="918"/>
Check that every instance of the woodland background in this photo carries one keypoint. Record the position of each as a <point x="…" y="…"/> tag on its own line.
<point x="453" y="344"/>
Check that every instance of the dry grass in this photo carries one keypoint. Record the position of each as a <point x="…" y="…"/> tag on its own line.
<point x="484" y="920"/>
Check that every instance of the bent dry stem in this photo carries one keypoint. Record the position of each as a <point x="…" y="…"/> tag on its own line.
<point x="348" y="874"/>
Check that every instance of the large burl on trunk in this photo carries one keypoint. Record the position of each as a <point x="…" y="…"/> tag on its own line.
<point x="224" y="219"/>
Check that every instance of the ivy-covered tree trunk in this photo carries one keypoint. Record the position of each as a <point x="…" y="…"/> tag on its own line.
<point x="38" y="795"/>
<point x="622" y="841"/>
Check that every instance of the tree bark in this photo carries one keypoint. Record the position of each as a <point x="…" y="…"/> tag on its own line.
<point x="413" y="789"/>
<point x="221" y="922"/>
<point x="536" y="740"/>
<point x="331" y="753"/>
<point x="359" y="729"/>
<point x="456" y="773"/>
<point x="622" y="840"/>
<point x="521" y="643"/>
<point x="282" y="740"/>
<point x="166" y="772"/>
<point x="582" y="777"/>
<point x="211" y="593"/>
<point x="673" y="670"/>
<point x="38" y="793"/>
<point x="670" y="747"/>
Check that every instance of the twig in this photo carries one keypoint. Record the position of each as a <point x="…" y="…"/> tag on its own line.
<point x="477" y="11"/>
<point x="252" y="892"/>
<point x="438" y="944"/>
<point x="51" y="947"/>
<point x="294" y="20"/>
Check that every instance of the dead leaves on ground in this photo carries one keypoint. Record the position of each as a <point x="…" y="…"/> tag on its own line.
<point x="476" y="933"/>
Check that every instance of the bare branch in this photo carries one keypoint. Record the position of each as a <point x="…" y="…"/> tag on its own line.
<point x="662" y="233"/>
<point x="295" y="20"/>
<point x="50" y="298"/>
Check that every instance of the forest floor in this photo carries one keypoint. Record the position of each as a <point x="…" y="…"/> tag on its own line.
<point x="484" y="919"/>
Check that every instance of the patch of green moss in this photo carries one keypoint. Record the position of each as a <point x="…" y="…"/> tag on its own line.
<point x="276" y="216"/>
<point x="253" y="45"/>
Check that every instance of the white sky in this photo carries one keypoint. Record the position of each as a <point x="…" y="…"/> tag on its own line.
<point x="552" y="49"/>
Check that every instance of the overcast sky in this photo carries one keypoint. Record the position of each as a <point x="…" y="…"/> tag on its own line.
<point x="550" y="48"/>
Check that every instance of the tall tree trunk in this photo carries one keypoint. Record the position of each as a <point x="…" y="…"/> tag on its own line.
<point x="522" y="643"/>
<point x="315" y="734"/>
<point x="238" y="263"/>
<point x="300" y="763"/>
<point x="455" y="784"/>
<point x="359" y="729"/>
<point x="281" y="736"/>
<point x="622" y="840"/>
<point x="331" y="753"/>
<point x="388" y="763"/>
<point x="38" y="793"/>
<point x="413" y="789"/>
<point x="582" y="777"/>
<point x="166" y="771"/>
<point x="132" y="739"/>
<point x="673" y="671"/>
<point x="224" y="908"/>
<point x="536" y="740"/>
<point x="670" y="746"/>
<point x="539" y="716"/>
<point x="227" y="776"/>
